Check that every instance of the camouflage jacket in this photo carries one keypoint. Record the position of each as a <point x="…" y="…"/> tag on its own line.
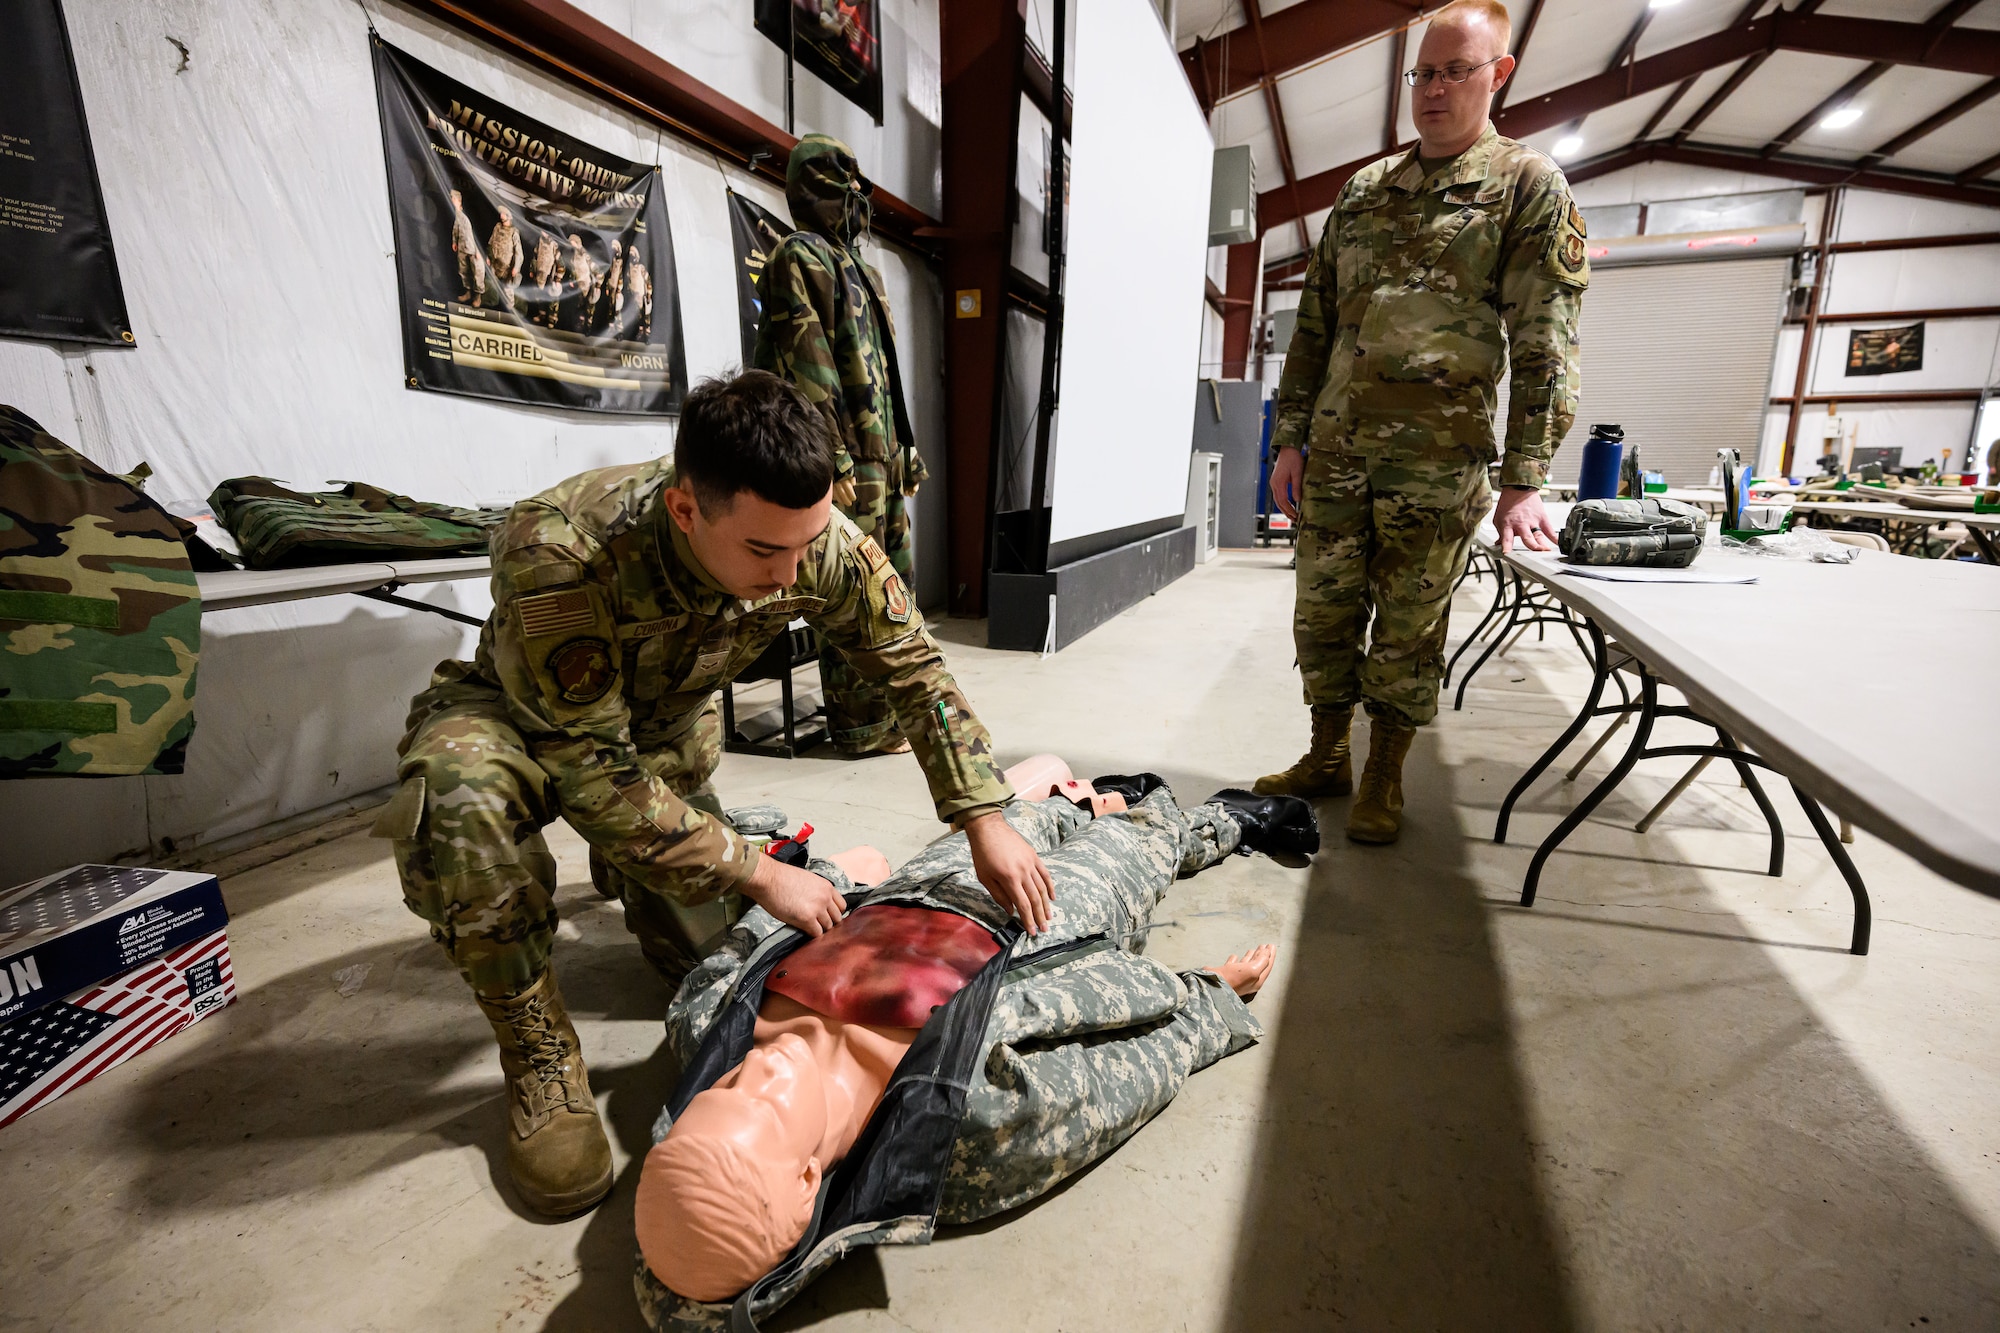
<point x="609" y="639"/>
<point x="819" y="330"/>
<point x="1420" y="289"/>
<point x="100" y="617"/>
<point x="1054" y="1055"/>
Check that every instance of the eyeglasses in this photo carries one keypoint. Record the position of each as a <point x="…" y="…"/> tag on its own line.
<point x="1417" y="78"/>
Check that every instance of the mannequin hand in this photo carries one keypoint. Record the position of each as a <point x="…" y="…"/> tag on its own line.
<point x="1288" y="481"/>
<point x="1519" y="513"/>
<point x="794" y="896"/>
<point x="843" y="491"/>
<point x="1011" y="871"/>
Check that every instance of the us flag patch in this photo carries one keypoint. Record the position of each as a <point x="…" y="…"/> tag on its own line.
<point x="553" y="613"/>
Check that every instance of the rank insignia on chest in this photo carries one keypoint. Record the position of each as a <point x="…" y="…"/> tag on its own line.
<point x="581" y="670"/>
<point x="1408" y="224"/>
<point x="896" y="599"/>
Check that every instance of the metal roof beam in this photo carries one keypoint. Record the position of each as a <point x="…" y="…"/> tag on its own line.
<point x="1966" y="50"/>
<point x="1933" y="123"/>
<point x="1815" y="171"/>
<point x="1221" y="67"/>
<point x="1845" y="94"/>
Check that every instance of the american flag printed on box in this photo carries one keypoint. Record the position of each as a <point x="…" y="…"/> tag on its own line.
<point x="48" y="1051"/>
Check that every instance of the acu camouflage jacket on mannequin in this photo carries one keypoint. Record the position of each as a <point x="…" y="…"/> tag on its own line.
<point x="1420" y="289"/>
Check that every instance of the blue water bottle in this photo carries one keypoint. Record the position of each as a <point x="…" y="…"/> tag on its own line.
<point x="1601" y="455"/>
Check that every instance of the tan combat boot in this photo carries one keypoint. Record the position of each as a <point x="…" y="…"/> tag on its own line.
<point x="1327" y="769"/>
<point x="1377" y="813"/>
<point x="556" y="1152"/>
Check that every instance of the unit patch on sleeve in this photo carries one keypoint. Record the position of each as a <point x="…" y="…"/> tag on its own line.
<point x="1567" y="258"/>
<point x="550" y="613"/>
<point x="896" y="599"/>
<point x="582" y="670"/>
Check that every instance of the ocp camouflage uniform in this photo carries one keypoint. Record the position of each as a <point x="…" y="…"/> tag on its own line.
<point x="593" y="699"/>
<point x="504" y="254"/>
<point x="100" y="618"/>
<point x="1419" y="290"/>
<point x="826" y="327"/>
<point x="1080" y="1051"/>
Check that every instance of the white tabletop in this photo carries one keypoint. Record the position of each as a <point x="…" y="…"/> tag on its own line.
<point x="228" y="589"/>
<point x="1895" y="512"/>
<point x="1851" y="679"/>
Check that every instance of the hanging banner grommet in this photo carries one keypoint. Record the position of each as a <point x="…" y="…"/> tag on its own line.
<point x="531" y="267"/>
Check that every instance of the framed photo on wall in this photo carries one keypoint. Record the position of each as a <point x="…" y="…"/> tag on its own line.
<point x="839" y="41"/>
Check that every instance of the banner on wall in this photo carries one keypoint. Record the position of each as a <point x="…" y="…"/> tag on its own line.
<point x="532" y="267"/>
<point x="1885" y="351"/>
<point x="838" y="41"/>
<point x="757" y="231"/>
<point x="59" y="277"/>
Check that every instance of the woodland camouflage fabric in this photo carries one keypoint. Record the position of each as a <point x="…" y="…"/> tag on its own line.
<point x="1665" y="534"/>
<point x="1081" y="1050"/>
<point x="279" y="528"/>
<point x="593" y="698"/>
<point x="100" y="617"/>
<point x="1418" y="292"/>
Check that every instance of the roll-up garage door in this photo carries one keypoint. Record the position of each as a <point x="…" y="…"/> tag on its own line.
<point x="1680" y="356"/>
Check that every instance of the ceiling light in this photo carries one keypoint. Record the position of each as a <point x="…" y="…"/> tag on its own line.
<point x="1841" y="119"/>
<point x="1663" y="4"/>
<point x="1568" y="146"/>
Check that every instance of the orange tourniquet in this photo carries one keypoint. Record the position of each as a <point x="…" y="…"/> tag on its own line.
<point x="886" y="965"/>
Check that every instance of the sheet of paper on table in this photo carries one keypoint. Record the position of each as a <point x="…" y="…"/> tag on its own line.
<point x="1641" y="574"/>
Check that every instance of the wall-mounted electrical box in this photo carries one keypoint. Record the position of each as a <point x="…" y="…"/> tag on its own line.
<point x="1232" y="197"/>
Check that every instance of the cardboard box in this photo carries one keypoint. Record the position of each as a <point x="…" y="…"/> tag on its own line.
<point x="100" y="963"/>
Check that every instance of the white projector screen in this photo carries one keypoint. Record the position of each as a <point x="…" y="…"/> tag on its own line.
<point x="1134" y="283"/>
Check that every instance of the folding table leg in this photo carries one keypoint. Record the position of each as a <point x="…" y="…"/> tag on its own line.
<point x="1513" y="615"/>
<point x="1649" y="700"/>
<point x="1600" y="657"/>
<point x="1864" y="917"/>
<point x="1749" y="776"/>
<point x="1499" y="600"/>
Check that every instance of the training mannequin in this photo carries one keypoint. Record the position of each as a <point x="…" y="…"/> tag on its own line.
<point x="822" y="1037"/>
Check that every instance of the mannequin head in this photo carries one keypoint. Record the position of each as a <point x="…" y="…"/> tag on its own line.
<point x="731" y="1188"/>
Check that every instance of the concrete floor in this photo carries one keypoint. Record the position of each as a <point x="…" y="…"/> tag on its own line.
<point x="1664" y="1098"/>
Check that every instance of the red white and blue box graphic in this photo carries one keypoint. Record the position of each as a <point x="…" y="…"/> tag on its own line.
<point x="100" y="963"/>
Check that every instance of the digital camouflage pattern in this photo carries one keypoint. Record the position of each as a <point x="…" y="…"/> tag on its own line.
<point x="279" y="528"/>
<point x="1421" y="288"/>
<point x="1660" y="533"/>
<point x="1384" y="539"/>
<point x="593" y="698"/>
<point x="1082" y="1050"/>
<point x="100" y="617"/>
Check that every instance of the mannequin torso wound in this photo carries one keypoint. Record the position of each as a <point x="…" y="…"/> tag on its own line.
<point x="886" y="965"/>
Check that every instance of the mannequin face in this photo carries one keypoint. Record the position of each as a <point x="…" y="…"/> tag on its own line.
<point x="773" y="1106"/>
<point x="751" y="547"/>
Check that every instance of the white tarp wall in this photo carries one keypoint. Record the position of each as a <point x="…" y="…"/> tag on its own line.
<point x="1137" y="243"/>
<point x="247" y="200"/>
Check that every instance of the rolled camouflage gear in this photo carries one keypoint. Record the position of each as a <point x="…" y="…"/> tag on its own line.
<point x="278" y="528"/>
<point x="1653" y="532"/>
<point x="1058" y="1052"/>
<point x="100" y="617"/>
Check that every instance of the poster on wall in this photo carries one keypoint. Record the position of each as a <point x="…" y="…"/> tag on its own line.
<point x="1885" y="351"/>
<point x="59" y="281"/>
<point x="532" y="267"/>
<point x="838" y="41"/>
<point x="757" y="231"/>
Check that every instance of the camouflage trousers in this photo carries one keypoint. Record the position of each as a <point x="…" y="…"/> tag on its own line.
<point x="466" y="823"/>
<point x="858" y="713"/>
<point x="1382" y="540"/>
